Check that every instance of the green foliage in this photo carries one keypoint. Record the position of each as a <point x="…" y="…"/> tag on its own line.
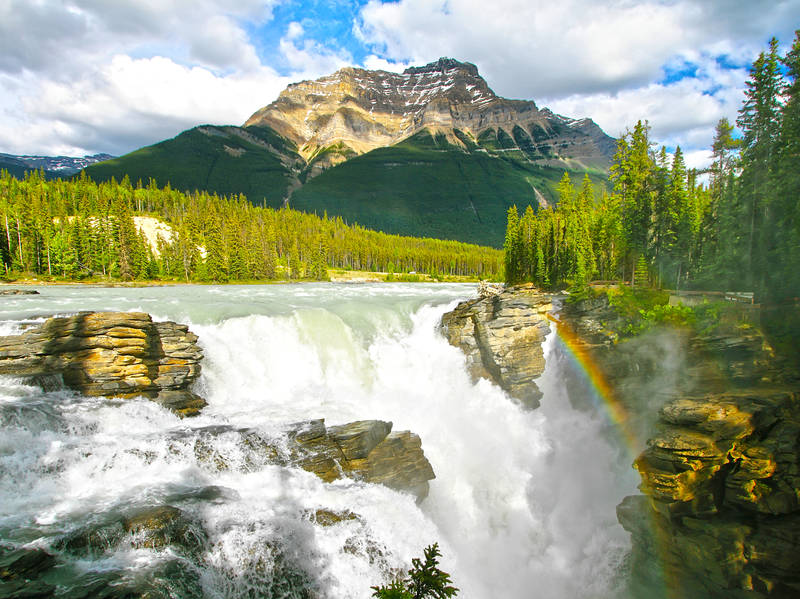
<point x="424" y="581"/>
<point x="641" y="276"/>
<point x="428" y="187"/>
<point x="221" y="160"/>
<point x="78" y="229"/>
<point x="642" y="309"/>
<point x="741" y="233"/>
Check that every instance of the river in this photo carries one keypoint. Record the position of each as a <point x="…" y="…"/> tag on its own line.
<point x="523" y="504"/>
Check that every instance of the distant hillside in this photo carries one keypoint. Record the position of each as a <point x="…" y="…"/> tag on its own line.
<point x="254" y="161"/>
<point x="53" y="166"/>
<point x="426" y="186"/>
<point x="430" y="152"/>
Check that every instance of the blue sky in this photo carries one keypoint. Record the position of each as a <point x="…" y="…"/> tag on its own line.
<point x="85" y="76"/>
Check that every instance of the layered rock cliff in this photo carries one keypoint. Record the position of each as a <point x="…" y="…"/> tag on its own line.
<point x="718" y="416"/>
<point x="501" y="336"/>
<point x="115" y="354"/>
<point x="354" y="111"/>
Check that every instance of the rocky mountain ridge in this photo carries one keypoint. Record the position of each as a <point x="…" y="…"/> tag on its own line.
<point x="355" y="110"/>
<point x="54" y="165"/>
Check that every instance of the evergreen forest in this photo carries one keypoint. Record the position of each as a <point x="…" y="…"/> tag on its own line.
<point x="80" y="229"/>
<point x="738" y="231"/>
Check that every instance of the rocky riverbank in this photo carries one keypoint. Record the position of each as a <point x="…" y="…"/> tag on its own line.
<point x="717" y="414"/>
<point x="114" y="354"/>
<point x="127" y="354"/>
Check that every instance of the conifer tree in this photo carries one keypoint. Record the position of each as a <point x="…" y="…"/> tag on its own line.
<point x="511" y="246"/>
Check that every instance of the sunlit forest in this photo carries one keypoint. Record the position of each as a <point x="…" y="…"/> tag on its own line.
<point x="737" y="231"/>
<point x="79" y="229"/>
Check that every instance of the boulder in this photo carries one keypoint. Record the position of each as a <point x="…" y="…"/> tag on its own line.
<point x="366" y="450"/>
<point x="501" y="336"/>
<point x="114" y="354"/>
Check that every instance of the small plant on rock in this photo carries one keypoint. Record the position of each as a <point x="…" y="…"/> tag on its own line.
<point x="424" y="581"/>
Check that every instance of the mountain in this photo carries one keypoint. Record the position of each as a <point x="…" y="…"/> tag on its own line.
<point x="53" y="166"/>
<point x="354" y="111"/>
<point x="227" y="160"/>
<point x="432" y="151"/>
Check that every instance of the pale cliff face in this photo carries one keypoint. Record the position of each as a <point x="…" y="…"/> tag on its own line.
<point x="363" y="110"/>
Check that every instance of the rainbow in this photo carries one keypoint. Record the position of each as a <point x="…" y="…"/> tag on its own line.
<point x="614" y="409"/>
<point x="619" y="416"/>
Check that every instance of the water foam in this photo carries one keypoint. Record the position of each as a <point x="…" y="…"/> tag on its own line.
<point x="522" y="500"/>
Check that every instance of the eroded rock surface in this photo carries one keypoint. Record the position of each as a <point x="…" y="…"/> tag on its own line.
<point x="366" y="450"/>
<point x="114" y="354"/>
<point x="720" y="512"/>
<point x="722" y="496"/>
<point x="501" y="336"/>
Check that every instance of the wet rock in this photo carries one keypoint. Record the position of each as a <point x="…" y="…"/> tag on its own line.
<point x="160" y="526"/>
<point x="92" y="540"/>
<point x="366" y="450"/>
<point x="18" y="292"/>
<point x="114" y="354"/>
<point x="23" y="589"/>
<point x="501" y="336"/>
<point x="358" y="439"/>
<point x="325" y="517"/>
<point x="24" y="563"/>
<point x="375" y="454"/>
<point x="721" y="480"/>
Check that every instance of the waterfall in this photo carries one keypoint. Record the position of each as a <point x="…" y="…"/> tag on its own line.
<point x="522" y="504"/>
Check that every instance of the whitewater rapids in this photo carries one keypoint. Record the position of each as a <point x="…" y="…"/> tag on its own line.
<point x="523" y="504"/>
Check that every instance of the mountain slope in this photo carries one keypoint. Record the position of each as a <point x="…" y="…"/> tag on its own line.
<point x="53" y="166"/>
<point x="358" y="110"/>
<point x="428" y="187"/>
<point x="432" y="151"/>
<point x="227" y="160"/>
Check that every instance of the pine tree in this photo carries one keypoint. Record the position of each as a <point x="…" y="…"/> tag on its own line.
<point x="760" y="121"/>
<point x="784" y="256"/>
<point x="215" y="258"/>
<point x="511" y="247"/>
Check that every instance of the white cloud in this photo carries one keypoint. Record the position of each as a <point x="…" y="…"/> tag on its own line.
<point x="294" y="31"/>
<point x="375" y="63"/>
<point x="130" y="103"/>
<point x="598" y="59"/>
<point x="82" y="76"/>
<point x="92" y="75"/>
<point x="310" y="59"/>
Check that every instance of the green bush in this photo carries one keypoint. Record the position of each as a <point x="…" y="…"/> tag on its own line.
<point x="424" y="581"/>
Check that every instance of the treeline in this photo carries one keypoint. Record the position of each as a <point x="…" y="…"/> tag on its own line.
<point x="740" y="232"/>
<point x="78" y="229"/>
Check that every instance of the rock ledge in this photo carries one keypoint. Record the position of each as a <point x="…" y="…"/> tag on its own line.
<point x="114" y="354"/>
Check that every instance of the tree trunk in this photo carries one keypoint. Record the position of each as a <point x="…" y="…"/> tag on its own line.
<point x="19" y="247"/>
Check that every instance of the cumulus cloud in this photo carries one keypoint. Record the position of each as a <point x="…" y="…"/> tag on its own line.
<point x="606" y="60"/>
<point x="129" y="103"/>
<point x="92" y="75"/>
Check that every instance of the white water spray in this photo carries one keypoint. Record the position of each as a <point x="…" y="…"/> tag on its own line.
<point x="523" y="503"/>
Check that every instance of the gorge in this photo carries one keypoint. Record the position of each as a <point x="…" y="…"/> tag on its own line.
<point x="255" y="493"/>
